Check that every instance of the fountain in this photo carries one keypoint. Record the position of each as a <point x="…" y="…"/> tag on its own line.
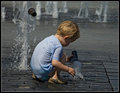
<point x="55" y="9"/>
<point x="25" y="24"/>
<point x="14" y="6"/>
<point x="77" y="66"/>
<point x="3" y="14"/>
<point x="83" y="12"/>
<point x="102" y="12"/>
<point x="105" y="11"/>
<point x="64" y="9"/>
<point x="38" y="10"/>
<point x="15" y="13"/>
<point x="48" y="7"/>
<point x="51" y="8"/>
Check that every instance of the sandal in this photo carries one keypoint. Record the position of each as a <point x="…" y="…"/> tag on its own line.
<point x="35" y="78"/>
<point x="56" y="81"/>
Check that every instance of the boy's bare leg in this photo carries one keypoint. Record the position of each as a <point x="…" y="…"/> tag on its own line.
<point x="55" y="77"/>
<point x="55" y="74"/>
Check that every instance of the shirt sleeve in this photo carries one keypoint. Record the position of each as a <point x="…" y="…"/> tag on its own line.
<point x="57" y="53"/>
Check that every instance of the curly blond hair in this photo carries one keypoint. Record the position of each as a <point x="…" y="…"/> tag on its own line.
<point x="69" y="28"/>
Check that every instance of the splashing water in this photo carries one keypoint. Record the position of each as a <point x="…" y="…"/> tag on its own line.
<point x="55" y="9"/>
<point x="83" y="12"/>
<point x="105" y="11"/>
<point x="38" y="9"/>
<point x="3" y="14"/>
<point x="49" y="7"/>
<point x="26" y="24"/>
<point x="102" y="11"/>
<point x="64" y="9"/>
<point x="77" y="67"/>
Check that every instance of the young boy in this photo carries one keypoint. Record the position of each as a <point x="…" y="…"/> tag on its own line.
<point x="48" y="58"/>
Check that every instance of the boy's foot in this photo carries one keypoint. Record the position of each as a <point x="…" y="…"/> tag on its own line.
<point x="56" y="81"/>
<point x="35" y="78"/>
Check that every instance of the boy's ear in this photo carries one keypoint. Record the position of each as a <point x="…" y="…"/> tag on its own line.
<point x="65" y="37"/>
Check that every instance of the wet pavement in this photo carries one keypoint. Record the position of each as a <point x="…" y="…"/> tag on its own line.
<point x="100" y="73"/>
<point x="97" y="49"/>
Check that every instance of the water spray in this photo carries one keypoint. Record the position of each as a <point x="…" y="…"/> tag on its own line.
<point x="77" y="65"/>
<point x="25" y="25"/>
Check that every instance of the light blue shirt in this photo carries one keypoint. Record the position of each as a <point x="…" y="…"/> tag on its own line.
<point x="41" y="62"/>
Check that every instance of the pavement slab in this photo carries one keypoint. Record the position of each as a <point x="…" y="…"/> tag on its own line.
<point x="97" y="78"/>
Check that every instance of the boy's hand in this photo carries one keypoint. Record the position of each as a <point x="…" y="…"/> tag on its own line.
<point x="63" y="59"/>
<point x="68" y="59"/>
<point x="71" y="71"/>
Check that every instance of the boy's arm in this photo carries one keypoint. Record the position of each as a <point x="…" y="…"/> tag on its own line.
<point x="60" y="65"/>
<point x="66" y="58"/>
<point x="63" y="67"/>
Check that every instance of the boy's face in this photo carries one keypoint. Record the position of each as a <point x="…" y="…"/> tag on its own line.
<point x="66" y="41"/>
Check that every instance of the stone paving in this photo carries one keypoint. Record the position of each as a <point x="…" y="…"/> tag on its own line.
<point x="100" y="73"/>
